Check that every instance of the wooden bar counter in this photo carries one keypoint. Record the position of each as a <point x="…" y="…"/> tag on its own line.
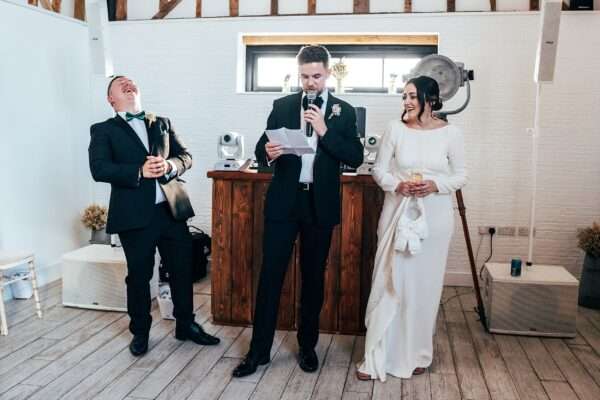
<point x="237" y="230"/>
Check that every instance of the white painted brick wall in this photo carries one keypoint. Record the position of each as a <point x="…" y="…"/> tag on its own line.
<point x="187" y="71"/>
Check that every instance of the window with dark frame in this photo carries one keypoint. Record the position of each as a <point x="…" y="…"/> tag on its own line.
<point x="371" y="68"/>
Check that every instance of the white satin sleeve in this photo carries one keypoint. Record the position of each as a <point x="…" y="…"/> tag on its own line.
<point x="457" y="177"/>
<point x="382" y="171"/>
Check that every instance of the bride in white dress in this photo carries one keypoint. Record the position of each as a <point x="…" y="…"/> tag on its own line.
<point x="419" y="165"/>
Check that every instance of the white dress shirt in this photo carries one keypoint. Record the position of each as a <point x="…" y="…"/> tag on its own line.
<point x="308" y="160"/>
<point x="140" y="128"/>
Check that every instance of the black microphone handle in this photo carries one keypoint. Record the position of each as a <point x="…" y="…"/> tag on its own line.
<point x="309" y="129"/>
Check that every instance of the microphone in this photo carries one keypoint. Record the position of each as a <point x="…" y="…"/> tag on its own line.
<point x="311" y="96"/>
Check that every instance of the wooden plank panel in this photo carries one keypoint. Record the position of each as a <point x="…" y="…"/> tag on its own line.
<point x="301" y="385"/>
<point x="559" y="390"/>
<point x="373" y="198"/>
<point x="328" y="320"/>
<point x="32" y="2"/>
<point x="444" y="386"/>
<point x="590" y="360"/>
<point x="259" y="192"/>
<point x="581" y="382"/>
<point x="330" y="384"/>
<point x="417" y="387"/>
<point x="353" y="384"/>
<point x="56" y="5"/>
<point x="241" y="253"/>
<point x="275" y="378"/>
<point x="407" y="6"/>
<point x="526" y="381"/>
<point x="274" y="7"/>
<point x="499" y="382"/>
<point x="543" y="364"/>
<point x="19" y="392"/>
<point x="492" y="5"/>
<point x="442" y="352"/>
<point x="187" y="380"/>
<point x="350" y="258"/>
<point x="468" y="371"/>
<point x="257" y="40"/>
<point x="198" y="8"/>
<point x="312" y="7"/>
<point x="221" y="267"/>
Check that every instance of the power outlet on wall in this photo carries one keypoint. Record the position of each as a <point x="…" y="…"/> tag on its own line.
<point x="524" y="231"/>
<point x="500" y="230"/>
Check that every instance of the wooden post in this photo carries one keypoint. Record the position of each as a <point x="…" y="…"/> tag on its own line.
<point x="79" y="12"/>
<point x="165" y="8"/>
<point x="234" y="8"/>
<point x="121" y="14"/>
<point x="274" y="7"/>
<point x="493" y="5"/>
<point x="198" y="8"/>
<point x="361" y="6"/>
<point x="312" y="7"/>
<point x="451" y="5"/>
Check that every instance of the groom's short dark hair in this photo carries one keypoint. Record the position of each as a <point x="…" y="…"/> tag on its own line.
<point x="311" y="54"/>
<point x="114" y="78"/>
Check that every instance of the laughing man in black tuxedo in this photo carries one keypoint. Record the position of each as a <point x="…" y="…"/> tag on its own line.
<point x="142" y="158"/>
<point x="304" y="198"/>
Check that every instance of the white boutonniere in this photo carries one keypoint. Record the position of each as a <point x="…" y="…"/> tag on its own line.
<point x="336" y="111"/>
<point x="151" y="118"/>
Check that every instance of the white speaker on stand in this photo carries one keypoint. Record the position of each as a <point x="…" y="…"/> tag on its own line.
<point x="544" y="73"/>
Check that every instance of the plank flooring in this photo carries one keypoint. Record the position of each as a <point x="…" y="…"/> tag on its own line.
<point x="82" y="354"/>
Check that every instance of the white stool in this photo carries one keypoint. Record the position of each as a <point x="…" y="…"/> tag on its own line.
<point x="10" y="260"/>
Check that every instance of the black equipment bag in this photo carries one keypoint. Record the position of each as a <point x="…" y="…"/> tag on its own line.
<point x="200" y="251"/>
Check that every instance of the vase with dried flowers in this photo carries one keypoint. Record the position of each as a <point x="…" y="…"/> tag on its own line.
<point x="339" y="70"/>
<point x="589" y="284"/>
<point x="94" y="217"/>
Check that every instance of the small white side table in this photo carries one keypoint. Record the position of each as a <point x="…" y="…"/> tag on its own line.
<point x="9" y="260"/>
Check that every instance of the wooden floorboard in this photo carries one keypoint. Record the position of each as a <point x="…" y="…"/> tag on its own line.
<point x="80" y="354"/>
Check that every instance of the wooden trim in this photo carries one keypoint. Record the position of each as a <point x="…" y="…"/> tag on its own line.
<point x="534" y="5"/>
<point x="312" y="7"/>
<point x="79" y="11"/>
<point x="407" y="6"/>
<point x="431" y="40"/>
<point x="234" y="8"/>
<point x="361" y="6"/>
<point x="165" y="8"/>
<point x="493" y="5"/>
<point x="32" y="2"/>
<point x="450" y="5"/>
<point x="274" y="7"/>
<point x="121" y="14"/>
<point x="198" y="8"/>
<point x="56" y="5"/>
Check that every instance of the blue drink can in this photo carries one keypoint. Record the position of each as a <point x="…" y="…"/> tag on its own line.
<point x="515" y="267"/>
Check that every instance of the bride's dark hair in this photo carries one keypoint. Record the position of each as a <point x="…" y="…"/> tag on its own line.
<point x="428" y="91"/>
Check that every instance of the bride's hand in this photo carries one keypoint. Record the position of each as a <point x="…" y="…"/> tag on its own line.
<point x="405" y="189"/>
<point x="424" y="188"/>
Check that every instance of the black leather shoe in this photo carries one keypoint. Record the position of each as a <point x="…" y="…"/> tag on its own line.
<point x="249" y="366"/>
<point x="138" y="345"/>
<point x="196" y="334"/>
<point x="308" y="360"/>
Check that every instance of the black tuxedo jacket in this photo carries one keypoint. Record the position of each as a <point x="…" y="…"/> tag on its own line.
<point x="340" y="144"/>
<point x="116" y="154"/>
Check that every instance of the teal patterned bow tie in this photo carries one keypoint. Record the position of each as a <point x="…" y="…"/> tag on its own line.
<point x="140" y="116"/>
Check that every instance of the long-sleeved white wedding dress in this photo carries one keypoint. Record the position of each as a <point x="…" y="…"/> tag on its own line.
<point x="406" y="287"/>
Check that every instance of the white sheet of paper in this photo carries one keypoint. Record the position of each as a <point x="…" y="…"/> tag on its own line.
<point x="293" y="141"/>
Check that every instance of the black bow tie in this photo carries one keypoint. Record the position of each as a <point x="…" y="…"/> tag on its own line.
<point x="318" y="102"/>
